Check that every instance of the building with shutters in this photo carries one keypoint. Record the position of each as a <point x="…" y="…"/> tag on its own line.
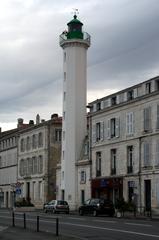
<point x="39" y="152"/>
<point x="125" y="145"/>
<point x="8" y="164"/>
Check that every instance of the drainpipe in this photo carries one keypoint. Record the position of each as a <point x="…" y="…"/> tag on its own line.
<point x="140" y="192"/>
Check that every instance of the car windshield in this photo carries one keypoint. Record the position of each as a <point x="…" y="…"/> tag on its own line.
<point x="60" y="202"/>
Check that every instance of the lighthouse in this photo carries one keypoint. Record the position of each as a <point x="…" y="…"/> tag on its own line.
<point x="74" y="43"/>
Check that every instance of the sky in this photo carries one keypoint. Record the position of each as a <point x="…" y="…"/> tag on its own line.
<point x="124" y="51"/>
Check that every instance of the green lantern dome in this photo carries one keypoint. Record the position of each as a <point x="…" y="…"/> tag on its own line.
<point x="75" y="29"/>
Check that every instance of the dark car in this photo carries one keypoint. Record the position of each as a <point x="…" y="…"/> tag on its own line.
<point x="97" y="206"/>
<point x="56" y="206"/>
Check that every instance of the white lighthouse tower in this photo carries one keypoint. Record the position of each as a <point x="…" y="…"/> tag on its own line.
<point x="75" y="43"/>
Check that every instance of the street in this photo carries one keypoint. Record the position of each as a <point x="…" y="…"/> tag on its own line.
<point x="86" y="227"/>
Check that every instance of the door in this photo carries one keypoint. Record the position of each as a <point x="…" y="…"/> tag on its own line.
<point x="148" y="195"/>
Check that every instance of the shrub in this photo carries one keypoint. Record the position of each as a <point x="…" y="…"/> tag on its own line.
<point x="22" y="202"/>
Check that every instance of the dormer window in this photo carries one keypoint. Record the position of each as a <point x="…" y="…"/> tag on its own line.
<point x="130" y="95"/>
<point x="148" y="87"/>
<point x="98" y="106"/>
<point x="113" y="101"/>
<point x="157" y="85"/>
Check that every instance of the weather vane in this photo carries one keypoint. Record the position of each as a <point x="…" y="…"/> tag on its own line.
<point x="75" y="11"/>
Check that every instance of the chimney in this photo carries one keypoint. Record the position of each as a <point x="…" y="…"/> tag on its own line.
<point x="53" y="116"/>
<point x="37" y="119"/>
<point x="31" y="122"/>
<point x="20" y="122"/>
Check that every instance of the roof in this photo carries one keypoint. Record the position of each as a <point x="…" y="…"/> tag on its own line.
<point x="75" y="20"/>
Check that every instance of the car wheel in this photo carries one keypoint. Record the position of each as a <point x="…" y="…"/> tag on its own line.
<point x="81" y="212"/>
<point x="95" y="214"/>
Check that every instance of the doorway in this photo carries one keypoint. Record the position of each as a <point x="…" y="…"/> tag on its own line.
<point x="147" y="195"/>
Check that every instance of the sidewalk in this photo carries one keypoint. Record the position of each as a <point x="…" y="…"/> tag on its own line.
<point x="16" y="233"/>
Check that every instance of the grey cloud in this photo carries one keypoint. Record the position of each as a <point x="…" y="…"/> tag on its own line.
<point x="124" y="50"/>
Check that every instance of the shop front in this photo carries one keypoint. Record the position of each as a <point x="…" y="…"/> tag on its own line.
<point x="108" y="188"/>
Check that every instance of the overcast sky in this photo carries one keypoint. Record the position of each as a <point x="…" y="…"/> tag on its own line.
<point x="124" y="51"/>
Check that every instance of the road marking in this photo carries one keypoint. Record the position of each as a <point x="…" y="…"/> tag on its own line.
<point x="112" y="229"/>
<point x="104" y="221"/>
<point x="2" y="228"/>
<point x="74" y="218"/>
<point x="139" y="224"/>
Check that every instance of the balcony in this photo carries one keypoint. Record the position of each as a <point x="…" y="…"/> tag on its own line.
<point x="86" y="39"/>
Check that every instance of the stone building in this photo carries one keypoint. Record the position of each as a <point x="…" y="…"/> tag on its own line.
<point x="39" y="151"/>
<point x="28" y="158"/>
<point x="8" y="164"/>
<point x="125" y="145"/>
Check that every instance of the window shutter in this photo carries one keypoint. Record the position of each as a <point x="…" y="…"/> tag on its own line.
<point x="102" y="104"/>
<point x="127" y="123"/>
<point x="147" y="154"/>
<point x="94" y="133"/>
<point x="108" y="129"/>
<point x="131" y="122"/>
<point x="94" y="107"/>
<point x="147" y="118"/>
<point x="101" y="131"/>
<point x="125" y="96"/>
<point x="109" y="102"/>
<point x="157" y="125"/>
<point x="157" y="153"/>
<point x="117" y="127"/>
<point x="135" y="92"/>
<point x="117" y="99"/>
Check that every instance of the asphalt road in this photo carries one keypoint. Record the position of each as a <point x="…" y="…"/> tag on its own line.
<point x="87" y="227"/>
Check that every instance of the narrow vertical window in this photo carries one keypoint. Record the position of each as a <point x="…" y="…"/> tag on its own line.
<point x="157" y="153"/>
<point x="98" y="164"/>
<point x="97" y="131"/>
<point x="113" y="161"/>
<point x="64" y="57"/>
<point x="147" y="119"/>
<point x="40" y="139"/>
<point x="157" y="122"/>
<point x="130" y="123"/>
<point x="148" y="88"/>
<point x="147" y="154"/>
<point x="129" y="159"/>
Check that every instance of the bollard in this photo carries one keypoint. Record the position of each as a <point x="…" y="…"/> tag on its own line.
<point x="13" y="220"/>
<point x="37" y="224"/>
<point x="24" y="220"/>
<point x="57" y="226"/>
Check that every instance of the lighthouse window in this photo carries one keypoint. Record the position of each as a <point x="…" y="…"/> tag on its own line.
<point x="64" y="96"/>
<point x="64" y="76"/>
<point x="64" y="56"/>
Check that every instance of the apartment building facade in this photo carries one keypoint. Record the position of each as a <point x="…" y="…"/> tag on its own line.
<point x="8" y="164"/>
<point x="125" y="145"/>
<point x="39" y="151"/>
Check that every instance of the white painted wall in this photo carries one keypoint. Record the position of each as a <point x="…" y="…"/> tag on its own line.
<point x="74" y="106"/>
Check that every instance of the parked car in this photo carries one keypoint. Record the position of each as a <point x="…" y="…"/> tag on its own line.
<point x="97" y="206"/>
<point x="56" y="206"/>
